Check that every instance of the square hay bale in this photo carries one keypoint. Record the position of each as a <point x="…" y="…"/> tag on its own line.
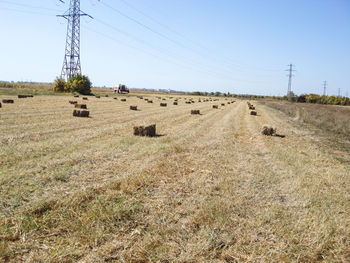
<point x="123" y="100"/>
<point x="251" y="107"/>
<point x="188" y="102"/>
<point x="149" y="101"/>
<point x="133" y="107"/>
<point x="97" y="97"/>
<point x="106" y="95"/>
<point x="222" y="104"/>
<point x="85" y="98"/>
<point x="253" y="113"/>
<point x="115" y="98"/>
<point x="80" y="106"/>
<point x="148" y="131"/>
<point x="76" y="96"/>
<point x="23" y="96"/>
<point x="163" y="104"/>
<point x="268" y="130"/>
<point x="8" y="101"/>
<point x="81" y="113"/>
<point x="228" y="102"/>
<point x="0" y="105"/>
<point x="175" y="103"/>
<point x="73" y="102"/>
<point x="195" y="112"/>
<point x="215" y="106"/>
<point x="163" y="99"/>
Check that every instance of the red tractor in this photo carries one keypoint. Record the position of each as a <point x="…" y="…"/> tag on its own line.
<point x="121" y="89"/>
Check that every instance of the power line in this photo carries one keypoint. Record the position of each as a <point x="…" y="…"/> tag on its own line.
<point x="30" y="6"/>
<point x="208" y="52"/>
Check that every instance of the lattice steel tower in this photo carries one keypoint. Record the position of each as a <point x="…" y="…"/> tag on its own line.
<point x="71" y="62"/>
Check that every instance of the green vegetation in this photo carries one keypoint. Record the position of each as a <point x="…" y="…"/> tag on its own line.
<point x="78" y="83"/>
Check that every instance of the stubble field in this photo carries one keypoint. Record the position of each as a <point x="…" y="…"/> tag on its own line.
<point x="208" y="188"/>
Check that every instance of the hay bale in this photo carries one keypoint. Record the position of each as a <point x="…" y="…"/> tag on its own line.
<point x="81" y="113"/>
<point x="251" y="107"/>
<point x="222" y="104"/>
<point x="175" y="103"/>
<point x="115" y="98"/>
<point x="163" y="99"/>
<point x="85" y="98"/>
<point x="188" y="102"/>
<point x="149" y="101"/>
<point x="123" y="100"/>
<point x="23" y="96"/>
<point x="97" y="97"/>
<point x="148" y="131"/>
<point x="228" y="102"/>
<point x="0" y="105"/>
<point x="133" y="107"/>
<point x="215" y="106"/>
<point x="80" y="106"/>
<point x="106" y="95"/>
<point x="8" y="101"/>
<point x="76" y="96"/>
<point x="253" y="113"/>
<point x="195" y="112"/>
<point x="73" y="102"/>
<point x="268" y="130"/>
<point x="163" y="104"/>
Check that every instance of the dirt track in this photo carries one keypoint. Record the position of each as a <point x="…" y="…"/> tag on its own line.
<point x="210" y="189"/>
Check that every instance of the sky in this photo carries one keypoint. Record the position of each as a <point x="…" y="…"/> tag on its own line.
<point x="236" y="46"/>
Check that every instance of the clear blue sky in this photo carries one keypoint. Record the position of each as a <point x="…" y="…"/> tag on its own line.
<point x="207" y="45"/>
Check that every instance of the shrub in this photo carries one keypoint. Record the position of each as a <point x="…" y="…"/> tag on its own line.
<point x="59" y="85"/>
<point x="79" y="83"/>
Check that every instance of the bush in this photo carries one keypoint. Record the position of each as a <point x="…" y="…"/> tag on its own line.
<point x="79" y="83"/>
<point x="59" y="85"/>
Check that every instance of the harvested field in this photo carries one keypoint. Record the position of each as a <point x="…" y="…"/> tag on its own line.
<point x="208" y="189"/>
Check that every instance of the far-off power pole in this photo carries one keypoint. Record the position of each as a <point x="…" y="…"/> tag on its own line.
<point x="71" y="62"/>
<point x="290" y="76"/>
<point x="324" y="87"/>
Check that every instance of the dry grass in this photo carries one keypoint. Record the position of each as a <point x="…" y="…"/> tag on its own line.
<point x="329" y="117"/>
<point x="212" y="189"/>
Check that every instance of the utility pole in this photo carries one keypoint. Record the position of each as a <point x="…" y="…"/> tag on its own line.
<point x="71" y="63"/>
<point x="290" y="76"/>
<point x="324" y="87"/>
<point x="339" y="92"/>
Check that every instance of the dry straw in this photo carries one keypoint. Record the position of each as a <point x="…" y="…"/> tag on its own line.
<point x="8" y="101"/>
<point x="80" y="106"/>
<point x="148" y="131"/>
<point x="268" y="130"/>
<point x="81" y="113"/>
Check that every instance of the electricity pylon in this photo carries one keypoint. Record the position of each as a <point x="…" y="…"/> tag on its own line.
<point x="71" y="63"/>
